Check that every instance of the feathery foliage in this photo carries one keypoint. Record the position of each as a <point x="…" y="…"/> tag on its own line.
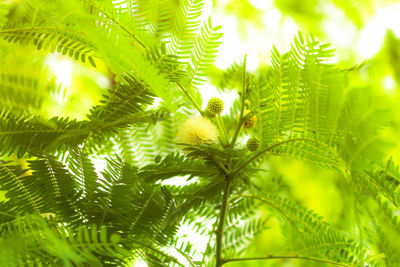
<point x="114" y="188"/>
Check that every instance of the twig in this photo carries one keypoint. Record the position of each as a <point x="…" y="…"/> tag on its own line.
<point x="190" y="98"/>
<point x="241" y="115"/>
<point x="270" y="257"/>
<point x="220" y="124"/>
<point x="221" y="221"/>
<point x="266" y="150"/>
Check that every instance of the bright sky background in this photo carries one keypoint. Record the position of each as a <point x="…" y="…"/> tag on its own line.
<point x="277" y="30"/>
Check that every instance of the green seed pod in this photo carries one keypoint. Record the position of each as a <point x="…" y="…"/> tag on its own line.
<point x="215" y="105"/>
<point x="253" y="144"/>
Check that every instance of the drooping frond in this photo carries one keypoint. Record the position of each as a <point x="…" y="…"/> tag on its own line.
<point x="119" y="202"/>
<point x="312" y="236"/>
<point x="46" y="187"/>
<point x="309" y="150"/>
<point x="290" y="96"/>
<point x="186" y="22"/>
<point x="22" y="135"/>
<point x="240" y="234"/>
<point x="126" y="99"/>
<point x="382" y="181"/>
<point x="161" y="17"/>
<point x="383" y="185"/>
<point x="123" y="107"/>
<point x="51" y="180"/>
<point x="205" y="52"/>
<point x="176" y="165"/>
<point x="24" y="88"/>
<point x="12" y="180"/>
<point x="84" y="171"/>
<point x="33" y="239"/>
<point x="64" y="41"/>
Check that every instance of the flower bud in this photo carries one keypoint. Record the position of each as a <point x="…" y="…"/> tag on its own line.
<point x="250" y="122"/>
<point x="215" y="105"/>
<point x="253" y="144"/>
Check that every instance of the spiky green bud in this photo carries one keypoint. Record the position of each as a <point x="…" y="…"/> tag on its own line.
<point x="215" y="105"/>
<point x="253" y="144"/>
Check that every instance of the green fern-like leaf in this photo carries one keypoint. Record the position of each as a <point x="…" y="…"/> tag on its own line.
<point x="205" y="51"/>
<point x="313" y="236"/>
<point x="174" y="165"/>
<point x="64" y="41"/>
<point x="303" y="96"/>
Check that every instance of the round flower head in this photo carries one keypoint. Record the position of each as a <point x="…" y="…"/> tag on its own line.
<point x="215" y="105"/>
<point x="253" y="144"/>
<point x="196" y="131"/>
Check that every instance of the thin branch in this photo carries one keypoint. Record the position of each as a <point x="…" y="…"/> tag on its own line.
<point x="242" y="120"/>
<point x="270" y="257"/>
<point x="155" y="250"/>
<point x="236" y="134"/>
<point x="222" y="128"/>
<point x="266" y="150"/>
<point x="190" y="98"/>
<point x="220" y="164"/>
<point x="241" y="115"/>
<point x="187" y="257"/>
<point x="119" y="24"/>
<point x="221" y="221"/>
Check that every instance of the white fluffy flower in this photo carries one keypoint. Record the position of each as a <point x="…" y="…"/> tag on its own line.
<point x="196" y="131"/>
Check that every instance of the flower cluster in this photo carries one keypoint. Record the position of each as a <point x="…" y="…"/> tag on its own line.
<point x="196" y="131"/>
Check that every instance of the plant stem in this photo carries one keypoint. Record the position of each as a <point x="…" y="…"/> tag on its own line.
<point x="235" y="136"/>
<point x="241" y="115"/>
<point x="266" y="150"/>
<point x="220" y="164"/>
<point x="286" y="257"/>
<point x="221" y="220"/>
<point x="117" y="22"/>
<point x="205" y="254"/>
<point x="190" y="98"/>
<point x="222" y="127"/>
<point x="228" y="177"/>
